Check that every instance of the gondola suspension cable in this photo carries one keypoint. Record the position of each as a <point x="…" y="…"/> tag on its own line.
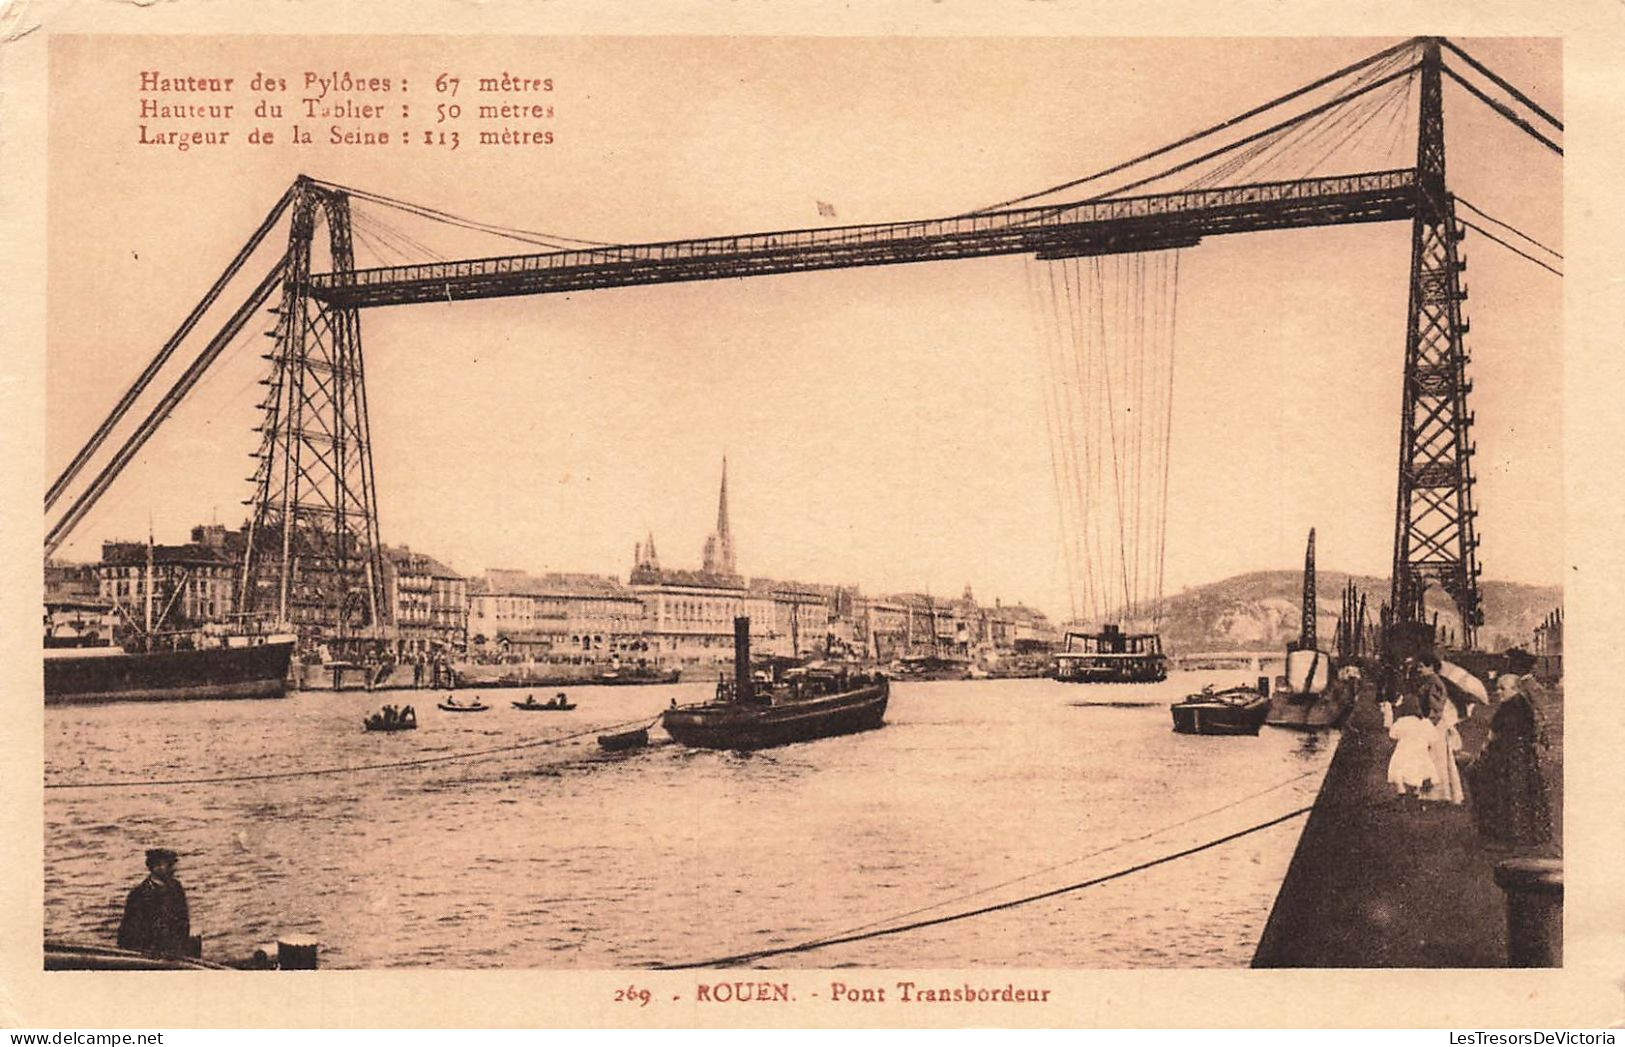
<point x="1167" y="431"/>
<point x="1077" y="411"/>
<point x="1117" y="471"/>
<point x="1052" y="422"/>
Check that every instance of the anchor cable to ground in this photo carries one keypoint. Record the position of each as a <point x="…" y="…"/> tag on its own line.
<point x="313" y="772"/>
<point x="739" y="959"/>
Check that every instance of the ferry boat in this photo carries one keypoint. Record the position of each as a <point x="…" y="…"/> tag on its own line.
<point x="1111" y="656"/>
<point x="804" y="704"/>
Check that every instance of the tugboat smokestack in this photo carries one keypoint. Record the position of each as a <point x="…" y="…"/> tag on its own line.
<point x="742" y="681"/>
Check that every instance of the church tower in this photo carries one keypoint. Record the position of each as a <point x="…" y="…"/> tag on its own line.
<point x="719" y="548"/>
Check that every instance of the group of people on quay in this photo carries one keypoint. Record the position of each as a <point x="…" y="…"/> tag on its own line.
<point x="1429" y="764"/>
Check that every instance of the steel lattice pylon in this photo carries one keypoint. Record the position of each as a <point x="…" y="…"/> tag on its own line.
<point x="1434" y="539"/>
<point x="313" y="555"/>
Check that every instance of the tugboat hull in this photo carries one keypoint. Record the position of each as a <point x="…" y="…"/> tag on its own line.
<point x="747" y="726"/>
<point x="1220" y="717"/>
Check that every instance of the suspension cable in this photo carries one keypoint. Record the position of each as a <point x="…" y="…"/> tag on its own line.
<point x="1205" y="132"/>
<point x="1283" y="125"/>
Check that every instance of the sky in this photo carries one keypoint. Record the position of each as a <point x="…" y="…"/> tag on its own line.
<point x="883" y="426"/>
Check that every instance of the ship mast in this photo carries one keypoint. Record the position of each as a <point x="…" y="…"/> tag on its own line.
<point x="1306" y="634"/>
<point x="147" y="587"/>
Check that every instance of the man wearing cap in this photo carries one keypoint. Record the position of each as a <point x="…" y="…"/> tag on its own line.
<point x="156" y="919"/>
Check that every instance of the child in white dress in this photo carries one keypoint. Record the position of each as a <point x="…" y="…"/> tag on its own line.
<point x="1410" y="768"/>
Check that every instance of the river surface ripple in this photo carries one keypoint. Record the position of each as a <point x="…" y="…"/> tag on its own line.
<point x="559" y="856"/>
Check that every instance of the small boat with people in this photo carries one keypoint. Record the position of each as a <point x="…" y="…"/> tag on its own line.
<point x="557" y="704"/>
<point x="1233" y="710"/>
<point x="801" y="705"/>
<point x="390" y="718"/>
<point x="452" y="705"/>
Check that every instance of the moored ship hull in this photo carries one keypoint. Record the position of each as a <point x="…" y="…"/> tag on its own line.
<point x="1220" y="716"/>
<point x="746" y="726"/>
<point x="75" y="677"/>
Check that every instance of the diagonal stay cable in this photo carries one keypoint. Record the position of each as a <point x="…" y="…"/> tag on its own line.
<point x="1015" y="903"/>
<point x="1507" y="226"/>
<point x="60" y="484"/>
<point x="1501" y="108"/>
<point x="1522" y="254"/>
<point x="509" y="232"/>
<point x="1503" y="84"/>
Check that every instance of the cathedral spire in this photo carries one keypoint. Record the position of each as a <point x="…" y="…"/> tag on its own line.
<point x="719" y="548"/>
<point x="722" y="502"/>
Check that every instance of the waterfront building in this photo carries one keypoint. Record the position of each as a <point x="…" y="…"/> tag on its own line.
<point x="555" y="618"/>
<point x="427" y="602"/>
<point x="192" y="585"/>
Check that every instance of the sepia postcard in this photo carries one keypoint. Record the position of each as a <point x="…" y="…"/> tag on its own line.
<point x="718" y="516"/>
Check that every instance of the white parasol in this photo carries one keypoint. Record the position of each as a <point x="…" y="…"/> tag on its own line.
<point x="1465" y="683"/>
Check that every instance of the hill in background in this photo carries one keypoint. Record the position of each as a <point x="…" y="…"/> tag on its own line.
<point x="1259" y="611"/>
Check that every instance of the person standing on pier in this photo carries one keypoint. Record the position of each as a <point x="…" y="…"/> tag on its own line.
<point x="156" y="919"/>
<point x="1446" y="741"/>
<point x="1410" y="768"/>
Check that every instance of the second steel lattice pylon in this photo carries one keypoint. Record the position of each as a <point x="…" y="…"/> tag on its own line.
<point x="1434" y="527"/>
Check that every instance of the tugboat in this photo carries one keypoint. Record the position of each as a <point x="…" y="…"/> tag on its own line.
<point x="1234" y="710"/>
<point x="803" y="705"/>
<point x="1112" y="656"/>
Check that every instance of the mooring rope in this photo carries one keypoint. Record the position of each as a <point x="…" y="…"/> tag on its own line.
<point x="824" y="943"/>
<point x="423" y="761"/>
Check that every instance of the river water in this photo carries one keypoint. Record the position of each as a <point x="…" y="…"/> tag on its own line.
<point x="559" y="856"/>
